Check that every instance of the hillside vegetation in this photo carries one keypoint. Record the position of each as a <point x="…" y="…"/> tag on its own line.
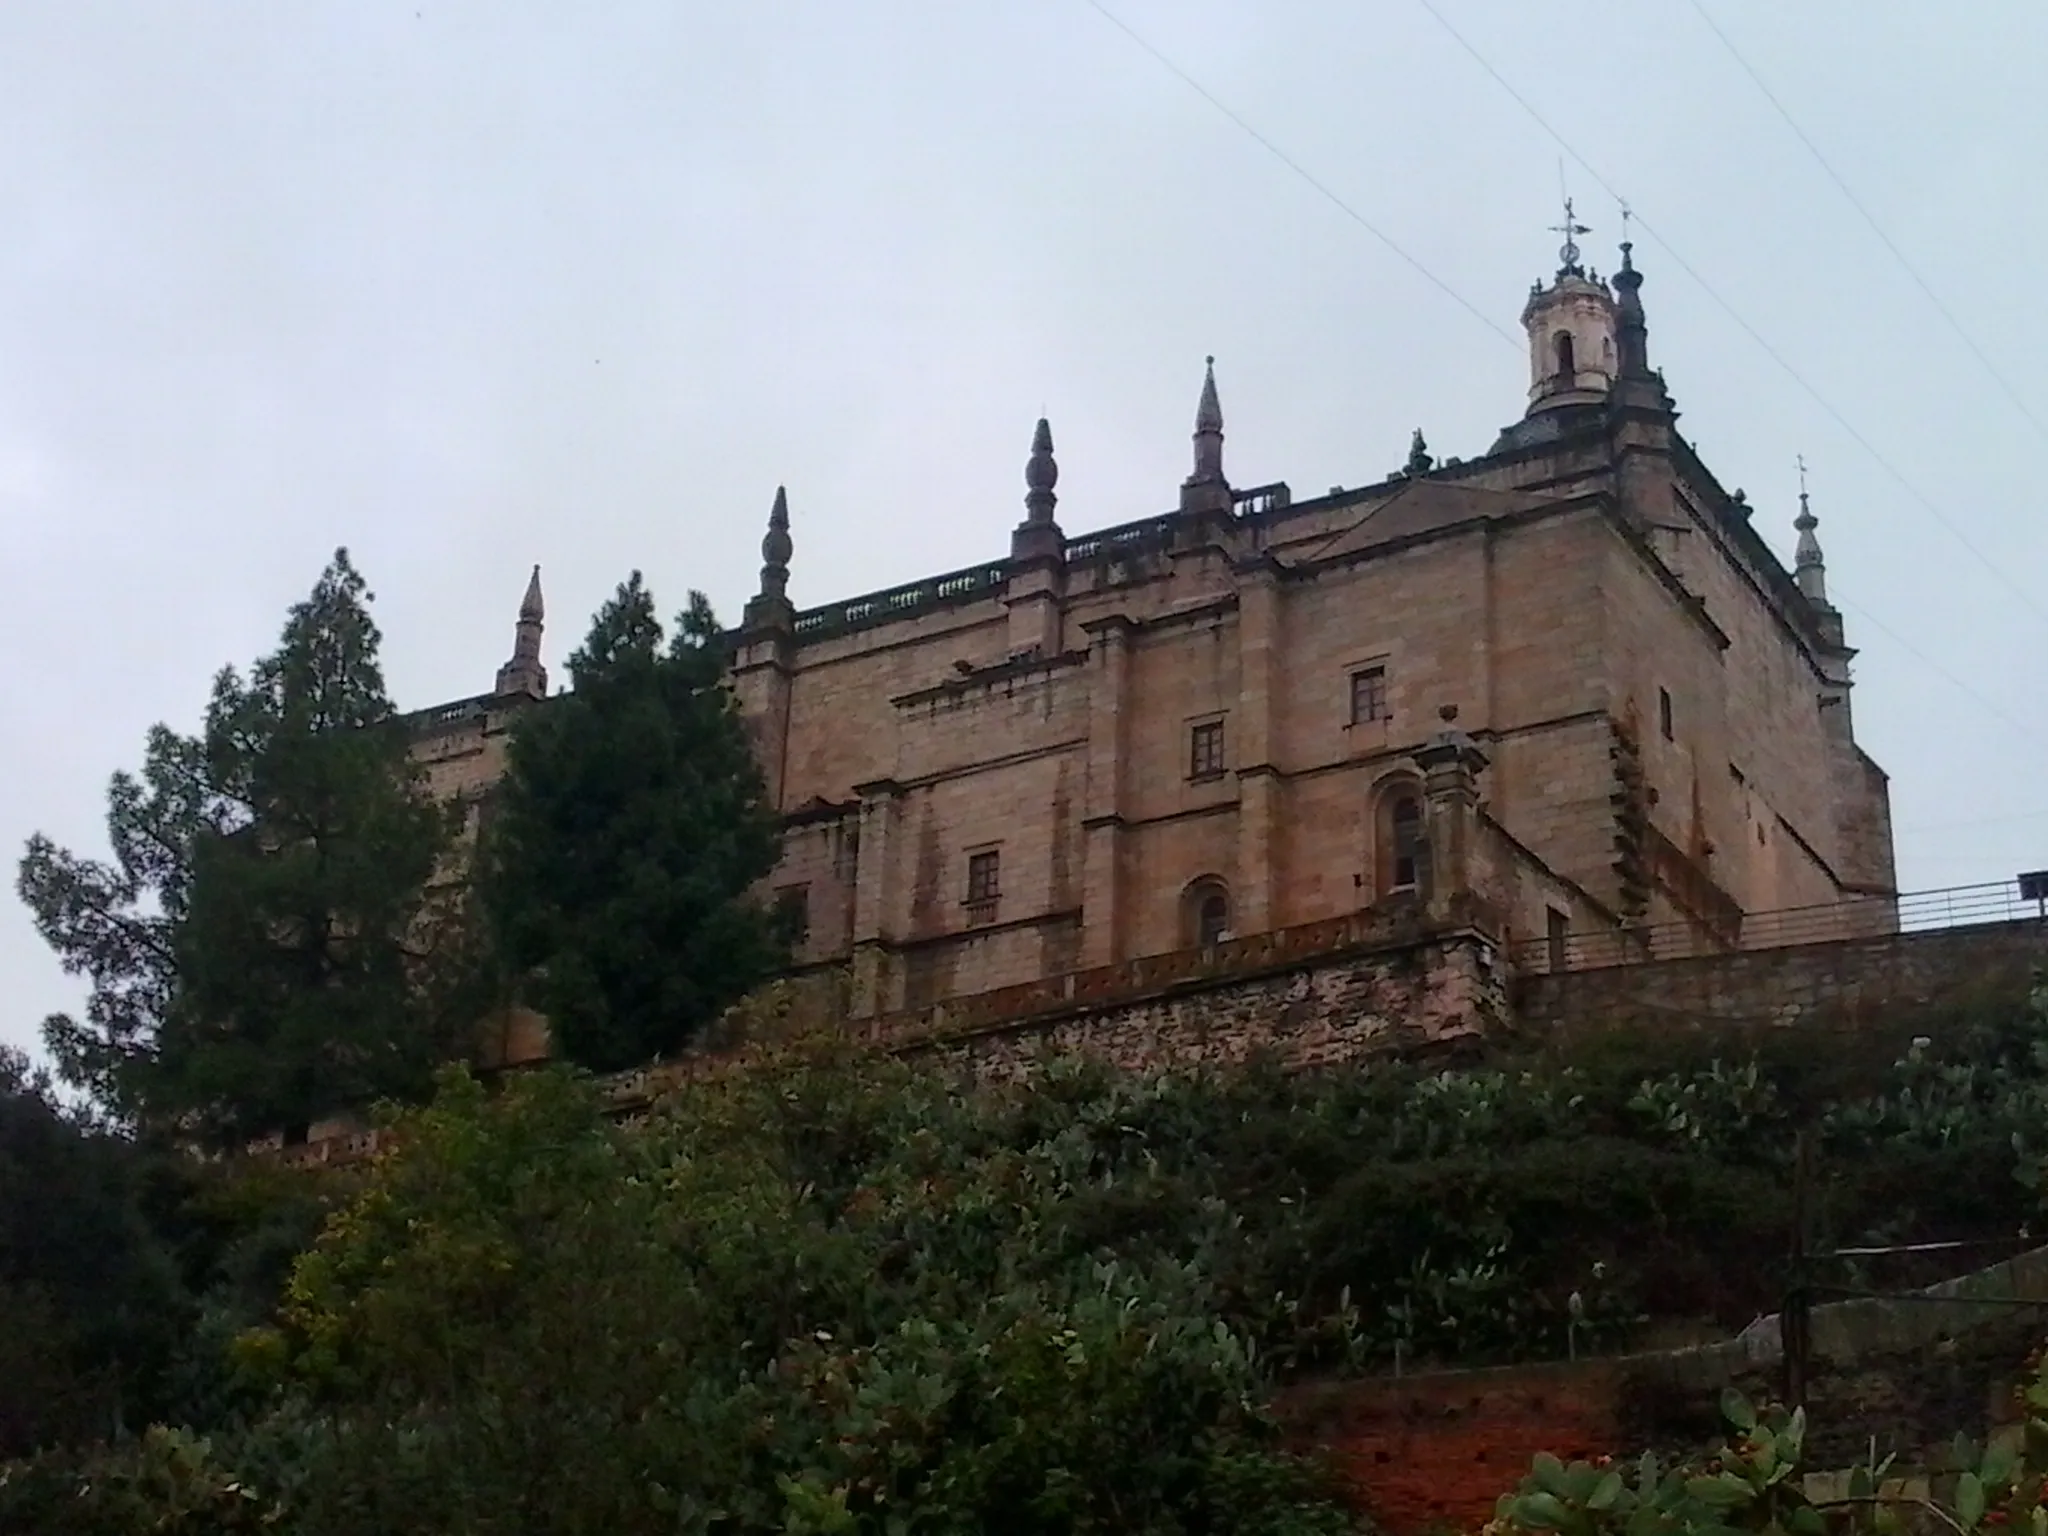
<point x="825" y="1289"/>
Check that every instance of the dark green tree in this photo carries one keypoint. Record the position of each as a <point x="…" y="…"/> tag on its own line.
<point x="270" y="942"/>
<point x="90" y="1294"/>
<point x="624" y="840"/>
<point x="114" y="923"/>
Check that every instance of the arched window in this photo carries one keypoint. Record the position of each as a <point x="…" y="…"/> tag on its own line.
<point x="1562" y="343"/>
<point x="1400" y="839"/>
<point x="1205" y="913"/>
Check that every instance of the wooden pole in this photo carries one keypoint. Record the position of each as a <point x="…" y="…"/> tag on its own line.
<point x="1795" y="1322"/>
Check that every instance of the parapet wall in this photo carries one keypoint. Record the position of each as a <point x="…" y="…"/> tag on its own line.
<point x="1841" y="981"/>
<point x="1392" y="981"/>
<point x="1402" y="996"/>
<point x="1398" y="980"/>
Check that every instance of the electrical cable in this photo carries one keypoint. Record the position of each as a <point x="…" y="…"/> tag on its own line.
<point x="1292" y="164"/>
<point x="1296" y="166"/>
<point x="1869" y="218"/>
<point x="1926" y="502"/>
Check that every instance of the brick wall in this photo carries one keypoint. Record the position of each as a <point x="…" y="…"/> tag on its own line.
<point x="1840" y="981"/>
<point x="1435" y="1451"/>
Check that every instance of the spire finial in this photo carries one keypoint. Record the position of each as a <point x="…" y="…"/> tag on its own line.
<point x="1809" y="567"/>
<point x="776" y="548"/>
<point x="1208" y="431"/>
<point x="524" y="673"/>
<point x="1633" y="333"/>
<point x="1041" y="474"/>
<point x="1571" y="229"/>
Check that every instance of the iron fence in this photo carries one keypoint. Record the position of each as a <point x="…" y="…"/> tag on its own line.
<point x="1853" y="917"/>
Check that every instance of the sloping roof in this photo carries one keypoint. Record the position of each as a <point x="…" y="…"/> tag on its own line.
<point x="1421" y="506"/>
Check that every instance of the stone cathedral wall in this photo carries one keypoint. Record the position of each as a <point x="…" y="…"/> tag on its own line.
<point x="989" y="777"/>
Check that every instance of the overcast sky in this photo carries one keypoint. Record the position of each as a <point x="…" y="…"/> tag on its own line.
<point x="468" y="286"/>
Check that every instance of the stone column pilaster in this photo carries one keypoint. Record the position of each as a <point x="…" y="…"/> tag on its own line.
<point x="873" y="889"/>
<point x="1036" y="593"/>
<point x="1102" y="895"/>
<point x="761" y="676"/>
<point x="1258" y="857"/>
<point x="1450" y="764"/>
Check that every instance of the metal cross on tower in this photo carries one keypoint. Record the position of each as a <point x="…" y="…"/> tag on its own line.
<point x="1571" y="229"/>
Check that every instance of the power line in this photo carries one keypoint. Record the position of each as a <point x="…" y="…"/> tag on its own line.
<point x="1994" y="710"/>
<point x="1876" y="229"/>
<point x="1749" y="330"/>
<point x="1974" y="821"/>
<point x="1295" y="166"/>
<point x="1875" y="623"/>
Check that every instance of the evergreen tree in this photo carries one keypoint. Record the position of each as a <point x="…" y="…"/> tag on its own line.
<point x="115" y="923"/>
<point x="90" y="1294"/>
<point x="269" y="944"/>
<point x="624" y="840"/>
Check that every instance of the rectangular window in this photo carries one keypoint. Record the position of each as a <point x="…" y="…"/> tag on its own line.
<point x="1664" y="713"/>
<point x="1368" y="695"/>
<point x="1557" y="932"/>
<point x="984" y="876"/>
<point x="793" y="906"/>
<point x="1205" y="750"/>
<point x="984" y="886"/>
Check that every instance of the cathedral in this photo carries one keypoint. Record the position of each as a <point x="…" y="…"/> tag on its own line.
<point x="1568" y="680"/>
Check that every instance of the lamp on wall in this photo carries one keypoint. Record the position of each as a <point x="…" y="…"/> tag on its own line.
<point x="2034" y="888"/>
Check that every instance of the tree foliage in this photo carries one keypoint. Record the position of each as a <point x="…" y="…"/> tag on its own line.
<point x="827" y="1289"/>
<point x="621" y="846"/>
<point x="89" y="1293"/>
<point x="808" y="1296"/>
<point x="262" y="946"/>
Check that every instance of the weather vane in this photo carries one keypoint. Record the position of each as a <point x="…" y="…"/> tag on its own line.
<point x="1571" y="229"/>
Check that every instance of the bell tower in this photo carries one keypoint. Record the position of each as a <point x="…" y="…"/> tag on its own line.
<point x="1572" y="330"/>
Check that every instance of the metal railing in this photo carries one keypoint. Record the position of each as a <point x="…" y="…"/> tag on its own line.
<point x="1853" y="917"/>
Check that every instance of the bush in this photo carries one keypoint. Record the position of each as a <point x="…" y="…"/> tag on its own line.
<point x="826" y="1289"/>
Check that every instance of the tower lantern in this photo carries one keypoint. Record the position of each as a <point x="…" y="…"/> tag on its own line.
<point x="1572" y="330"/>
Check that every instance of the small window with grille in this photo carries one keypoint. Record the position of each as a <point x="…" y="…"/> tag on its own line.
<point x="984" y="885"/>
<point x="1205" y="750"/>
<point x="1368" y="695"/>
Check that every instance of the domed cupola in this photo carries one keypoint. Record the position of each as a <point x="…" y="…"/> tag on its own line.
<point x="1572" y="328"/>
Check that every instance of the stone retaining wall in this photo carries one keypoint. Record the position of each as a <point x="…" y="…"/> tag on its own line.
<point x="1401" y="996"/>
<point x="1843" y="981"/>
